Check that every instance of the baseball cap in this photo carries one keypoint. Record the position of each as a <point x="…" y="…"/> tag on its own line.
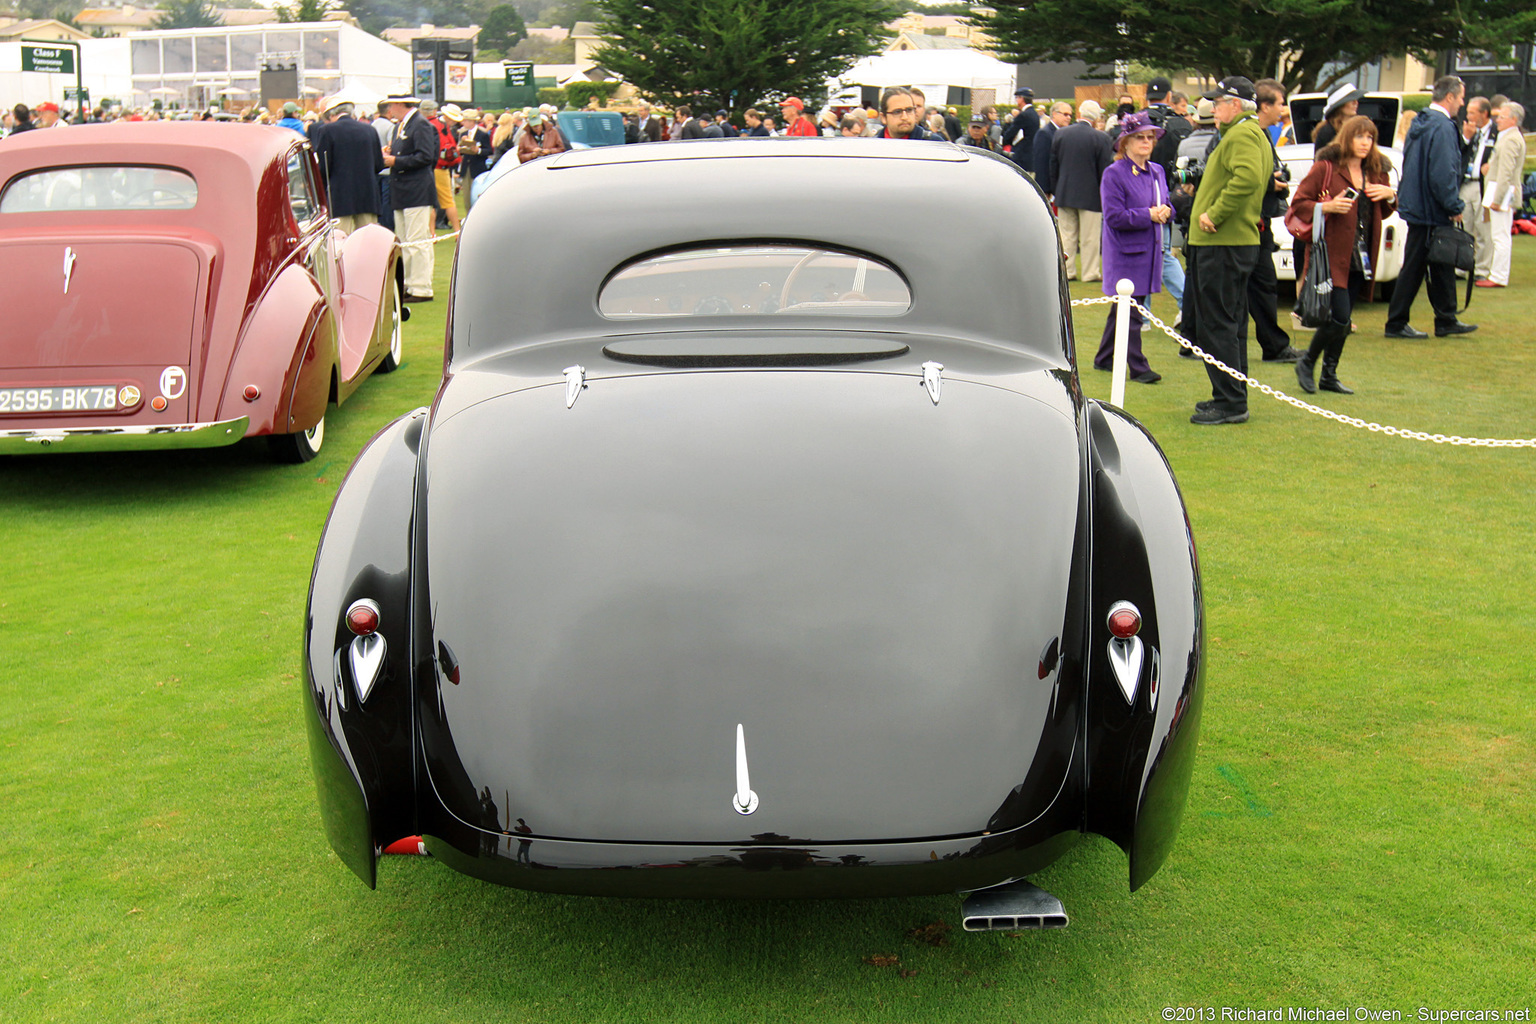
<point x="792" y="101"/>
<point x="1235" y="85"/>
<point x="49" y="106"/>
<point x="1158" y="89"/>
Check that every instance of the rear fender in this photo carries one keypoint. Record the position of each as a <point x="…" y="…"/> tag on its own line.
<point x="278" y="354"/>
<point x="362" y="753"/>
<point x="1141" y="746"/>
<point x="369" y="259"/>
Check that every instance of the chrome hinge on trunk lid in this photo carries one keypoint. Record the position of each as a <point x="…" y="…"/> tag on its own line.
<point x="575" y="380"/>
<point x="933" y="379"/>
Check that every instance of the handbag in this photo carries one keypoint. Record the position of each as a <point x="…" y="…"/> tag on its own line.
<point x="1300" y="228"/>
<point x="1450" y="246"/>
<point x="1314" y="295"/>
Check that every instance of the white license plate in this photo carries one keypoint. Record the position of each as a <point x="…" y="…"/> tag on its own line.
<point x="90" y="398"/>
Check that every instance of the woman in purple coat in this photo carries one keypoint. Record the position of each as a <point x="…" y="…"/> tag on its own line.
<point x="1134" y="191"/>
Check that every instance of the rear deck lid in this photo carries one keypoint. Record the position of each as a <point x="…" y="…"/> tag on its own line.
<point x="861" y="579"/>
<point x="99" y="303"/>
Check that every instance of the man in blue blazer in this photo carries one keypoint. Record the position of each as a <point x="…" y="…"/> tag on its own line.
<point x="1081" y="153"/>
<point x="350" y="159"/>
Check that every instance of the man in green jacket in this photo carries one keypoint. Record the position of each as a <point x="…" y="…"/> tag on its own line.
<point x="1223" y="246"/>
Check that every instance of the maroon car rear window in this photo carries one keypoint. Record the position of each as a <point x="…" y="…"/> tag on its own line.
<point x="754" y="279"/>
<point x="98" y="187"/>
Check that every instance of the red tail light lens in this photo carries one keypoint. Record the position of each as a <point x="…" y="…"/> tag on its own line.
<point x="363" y="617"/>
<point x="1124" y="620"/>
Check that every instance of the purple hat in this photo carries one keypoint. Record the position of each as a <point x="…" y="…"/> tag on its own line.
<point x="1132" y="124"/>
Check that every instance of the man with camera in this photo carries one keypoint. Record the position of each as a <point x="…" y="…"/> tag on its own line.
<point x="1224" y="245"/>
<point x="1274" y="343"/>
<point x="1175" y="130"/>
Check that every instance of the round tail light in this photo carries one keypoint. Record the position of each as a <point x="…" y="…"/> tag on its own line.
<point x="363" y="617"/>
<point x="1124" y="620"/>
<point x="252" y="392"/>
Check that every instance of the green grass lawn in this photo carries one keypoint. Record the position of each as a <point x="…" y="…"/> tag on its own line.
<point x="1361" y="830"/>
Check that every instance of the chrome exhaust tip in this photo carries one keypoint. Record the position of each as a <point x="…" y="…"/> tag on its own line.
<point x="1013" y="906"/>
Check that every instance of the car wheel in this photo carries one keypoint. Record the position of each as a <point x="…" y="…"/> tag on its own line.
<point x="298" y="447"/>
<point x="391" y="361"/>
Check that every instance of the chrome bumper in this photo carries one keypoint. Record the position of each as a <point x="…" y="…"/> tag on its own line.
<point x="120" y="439"/>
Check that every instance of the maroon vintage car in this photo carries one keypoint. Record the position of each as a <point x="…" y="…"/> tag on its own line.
<point x="177" y="285"/>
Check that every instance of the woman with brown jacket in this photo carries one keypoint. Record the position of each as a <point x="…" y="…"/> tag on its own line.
<point x="1349" y="182"/>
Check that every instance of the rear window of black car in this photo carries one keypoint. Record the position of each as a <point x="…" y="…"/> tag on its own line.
<point x="748" y="280"/>
<point x="99" y="187"/>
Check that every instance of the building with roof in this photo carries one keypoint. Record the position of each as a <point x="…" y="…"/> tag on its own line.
<point x="939" y="26"/>
<point x="905" y="41"/>
<point x="199" y="67"/>
<point x="227" y="66"/>
<point x="584" y="34"/>
<point x="38" y="28"/>
<point x="406" y="36"/>
<point x="124" y="18"/>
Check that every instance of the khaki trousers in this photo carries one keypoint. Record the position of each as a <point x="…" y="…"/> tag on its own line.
<point x="1080" y="237"/>
<point x="1472" y="220"/>
<point x="352" y="221"/>
<point x="414" y="229"/>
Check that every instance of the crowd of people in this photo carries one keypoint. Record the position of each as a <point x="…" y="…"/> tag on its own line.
<point x="1121" y="183"/>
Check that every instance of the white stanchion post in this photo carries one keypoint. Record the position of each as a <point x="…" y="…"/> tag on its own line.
<point x="1122" y="341"/>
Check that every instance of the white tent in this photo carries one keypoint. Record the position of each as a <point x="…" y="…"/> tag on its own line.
<point x="932" y="71"/>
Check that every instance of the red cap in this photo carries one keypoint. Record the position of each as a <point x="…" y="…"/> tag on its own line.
<point x="48" y="106"/>
<point x="793" y="101"/>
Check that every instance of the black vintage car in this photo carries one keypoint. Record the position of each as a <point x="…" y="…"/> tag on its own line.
<point x="759" y="542"/>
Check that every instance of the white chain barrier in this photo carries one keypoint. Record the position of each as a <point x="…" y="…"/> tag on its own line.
<point x="420" y="242"/>
<point x="1351" y="421"/>
<point x="1276" y="393"/>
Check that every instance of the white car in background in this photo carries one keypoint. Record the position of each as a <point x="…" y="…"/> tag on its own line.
<point x="1388" y="259"/>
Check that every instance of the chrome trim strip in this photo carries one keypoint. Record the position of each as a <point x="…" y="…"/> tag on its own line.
<point x="116" y="439"/>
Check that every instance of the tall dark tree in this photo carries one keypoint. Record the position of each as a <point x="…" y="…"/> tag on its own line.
<point x="502" y="29"/>
<point x="1219" y="38"/>
<point x="731" y="53"/>
<point x="187" y="14"/>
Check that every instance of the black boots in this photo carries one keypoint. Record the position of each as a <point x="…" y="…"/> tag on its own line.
<point x="1328" y="343"/>
<point x="1305" y="365"/>
<point x="1328" y="380"/>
